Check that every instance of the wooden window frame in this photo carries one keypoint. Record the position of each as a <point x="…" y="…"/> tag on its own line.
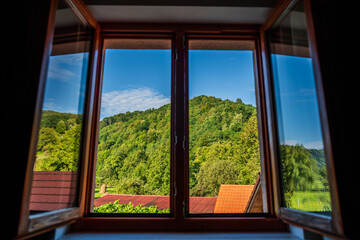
<point x="277" y="216"/>
<point x="32" y="225"/>
<point x="96" y="115"/>
<point x="262" y="128"/>
<point x="179" y="219"/>
<point x="331" y="226"/>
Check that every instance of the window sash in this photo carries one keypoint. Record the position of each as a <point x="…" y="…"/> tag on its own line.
<point x="180" y="148"/>
<point x="33" y="224"/>
<point x="322" y="224"/>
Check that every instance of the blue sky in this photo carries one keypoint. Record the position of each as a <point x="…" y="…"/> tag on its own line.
<point x="65" y="83"/>
<point x="135" y="80"/>
<point x="297" y="108"/>
<point x="223" y="74"/>
<point x="140" y="79"/>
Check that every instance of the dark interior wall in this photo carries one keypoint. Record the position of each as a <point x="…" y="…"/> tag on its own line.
<point x="23" y="35"/>
<point x="336" y="50"/>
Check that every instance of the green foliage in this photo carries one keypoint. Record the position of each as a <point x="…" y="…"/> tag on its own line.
<point x="224" y="147"/>
<point x="134" y="155"/>
<point x="59" y="142"/>
<point x="304" y="174"/>
<point x="128" y="208"/>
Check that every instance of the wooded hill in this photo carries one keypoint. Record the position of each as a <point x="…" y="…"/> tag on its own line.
<point x="134" y="147"/>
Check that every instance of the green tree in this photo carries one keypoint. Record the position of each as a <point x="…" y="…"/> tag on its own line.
<point x="61" y="127"/>
<point x="48" y="139"/>
<point x="214" y="173"/>
<point x="299" y="169"/>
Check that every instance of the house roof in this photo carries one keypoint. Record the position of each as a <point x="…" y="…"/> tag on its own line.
<point x="197" y="204"/>
<point x="255" y="203"/>
<point x="233" y="198"/>
<point x="52" y="190"/>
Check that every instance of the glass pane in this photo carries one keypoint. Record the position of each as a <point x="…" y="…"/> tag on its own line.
<point x="224" y="155"/>
<point x="56" y="167"/>
<point x="304" y="175"/>
<point x="133" y="157"/>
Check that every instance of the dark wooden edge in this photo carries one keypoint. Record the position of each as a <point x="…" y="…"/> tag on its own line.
<point x="108" y="27"/>
<point x="88" y="125"/>
<point x="266" y="176"/>
<point x="44" y="220"/>
<point x="281" y="9"/>
<point x="173" y="224"/>
<point x="320" y="224"/>
<point x="24" y="211"/>
<point x="82" y="12"/>
<point x="336" y="222"/>
<point x="271" y="125"/>
<point x="91" y="170"/>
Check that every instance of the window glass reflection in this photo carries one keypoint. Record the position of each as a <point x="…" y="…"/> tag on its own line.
<point x="56" y="167"/>
<point x="304" y="174"/>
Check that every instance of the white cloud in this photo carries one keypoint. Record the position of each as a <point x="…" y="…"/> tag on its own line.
<point x="314" y="145"/>
<point x="66" y="68"/>
<point x="138" y="99"/>
<point x="308" y="145"/>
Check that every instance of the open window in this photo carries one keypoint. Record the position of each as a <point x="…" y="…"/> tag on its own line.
<point x="301" y="149"/>
<point x="181" y="128"/>
<point x="56" y="163"/>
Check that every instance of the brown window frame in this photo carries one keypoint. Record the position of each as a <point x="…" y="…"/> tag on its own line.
<point x="260" y="111"/>
<point x="178" y="219"/>
<point x="32" y="225"/>
<point x="273" y="221"/>
<point x="330" y="226"/>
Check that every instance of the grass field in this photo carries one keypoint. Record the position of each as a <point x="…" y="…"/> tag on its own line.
<point x="311" y="201"/>
<point x="97" y="194"/>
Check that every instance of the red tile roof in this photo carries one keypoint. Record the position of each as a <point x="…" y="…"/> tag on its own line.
<point x="197" y="204"/>
<point x="202" y="204"/>
<point x="233" y="198"/>
<point x="52" y="190"/>
<point x="163" y="202"/>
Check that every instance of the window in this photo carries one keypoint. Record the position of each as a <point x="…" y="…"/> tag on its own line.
<point x="57" y="160"/>
<point x="304" y="174"/>
<point x="58" y="153"/>
<point x="133" y="168"/>
<point x="301" y="153"/>
<point x="171" y="116"/>
<point x="224" y="151"/>
<point x="134" y="159"/>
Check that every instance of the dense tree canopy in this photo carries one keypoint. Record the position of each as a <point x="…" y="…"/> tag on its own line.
<point x="134" y="148"/>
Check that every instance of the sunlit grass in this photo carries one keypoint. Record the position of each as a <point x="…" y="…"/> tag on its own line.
<point x="311" y="201"/>
<point x="108" y="190"/>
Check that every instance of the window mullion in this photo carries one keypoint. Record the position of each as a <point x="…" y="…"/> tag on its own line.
<point x="179" y="108"/>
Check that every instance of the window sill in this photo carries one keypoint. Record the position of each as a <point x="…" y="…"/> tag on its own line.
<point x="159" y="236"/>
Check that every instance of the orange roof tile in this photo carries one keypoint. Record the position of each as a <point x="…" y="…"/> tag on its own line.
<point x="233" y="198"/>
